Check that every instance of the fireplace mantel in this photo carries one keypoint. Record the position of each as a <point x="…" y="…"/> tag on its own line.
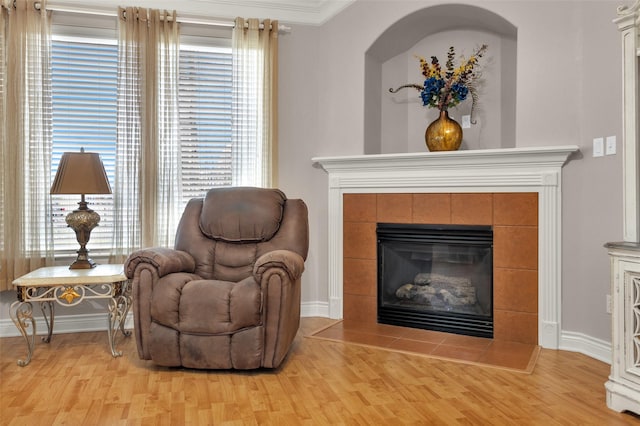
<point x="535" y="169"/>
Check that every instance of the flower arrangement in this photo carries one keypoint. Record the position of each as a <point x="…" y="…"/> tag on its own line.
<point x="446" y="88"/>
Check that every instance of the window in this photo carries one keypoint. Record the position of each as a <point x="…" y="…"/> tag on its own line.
<point x="84" y="92"/>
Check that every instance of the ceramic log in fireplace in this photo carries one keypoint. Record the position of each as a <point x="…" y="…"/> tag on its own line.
<point x="437" y="277"/>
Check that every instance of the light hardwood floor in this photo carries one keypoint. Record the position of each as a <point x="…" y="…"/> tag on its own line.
<point x="75" y="381"/>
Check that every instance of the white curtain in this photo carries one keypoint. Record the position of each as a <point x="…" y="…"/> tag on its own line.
<point x="147" y="190"/>
<point x="255" y="103"/>
<point x="26" y="239"/>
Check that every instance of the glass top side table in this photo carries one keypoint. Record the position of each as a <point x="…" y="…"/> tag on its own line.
<point x="70" y="287"/>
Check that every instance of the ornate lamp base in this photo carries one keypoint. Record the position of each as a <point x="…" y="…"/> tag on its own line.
<point x="82" y="221"/>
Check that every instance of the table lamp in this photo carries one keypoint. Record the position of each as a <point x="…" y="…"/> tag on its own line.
<point x="81" y="173"/>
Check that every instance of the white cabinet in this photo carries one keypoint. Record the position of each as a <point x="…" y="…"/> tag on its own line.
<point x="623" y="386"/>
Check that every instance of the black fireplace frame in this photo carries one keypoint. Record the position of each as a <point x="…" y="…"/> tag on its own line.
<point x="449" y="322"/>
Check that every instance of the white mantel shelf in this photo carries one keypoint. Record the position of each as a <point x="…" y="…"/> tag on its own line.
<point x="537" y="169"/>
<point x="443" y="161"/>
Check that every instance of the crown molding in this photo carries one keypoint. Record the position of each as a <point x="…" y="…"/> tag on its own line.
<point x="303" y="12"/>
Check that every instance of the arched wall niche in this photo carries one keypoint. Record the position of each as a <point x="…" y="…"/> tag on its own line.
<point x="396" y="122"/>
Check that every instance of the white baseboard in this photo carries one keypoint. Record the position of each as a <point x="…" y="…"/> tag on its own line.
<point x="99" y="322"/>
<point x="314" y="309"/>
<point x="569" y="340"/>
<point x="587" y="345"/>
<point x="65" y="324"/>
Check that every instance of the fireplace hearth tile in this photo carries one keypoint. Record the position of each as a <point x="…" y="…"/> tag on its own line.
<point x="413" y="346"/>
<point x="403" y="333"/>
<point x="358" y="337"/>
<point x="461" y="353"/>
<point x="428" y="336"/>
<point x="511" y="356"/>
<point x="467" y="341"/>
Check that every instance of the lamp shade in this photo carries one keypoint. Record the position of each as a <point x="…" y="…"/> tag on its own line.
<point x="81" y="173"/>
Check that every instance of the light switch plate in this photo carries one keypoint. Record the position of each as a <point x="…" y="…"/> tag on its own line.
<point x="610" y="146"/>
<point x="466" y="121"/>
<point x="598" y="147"/>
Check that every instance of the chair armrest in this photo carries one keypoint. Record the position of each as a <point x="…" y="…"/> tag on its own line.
<point x="290" y="262"/>
<point x="165" y="260"/>
<point x="279" y="274"/>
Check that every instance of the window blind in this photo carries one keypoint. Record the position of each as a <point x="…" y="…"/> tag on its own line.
<point x="84" y="94"/>
<point x="205" y="119"/>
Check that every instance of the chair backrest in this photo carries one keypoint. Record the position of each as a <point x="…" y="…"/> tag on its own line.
<point x="232" y="227"/>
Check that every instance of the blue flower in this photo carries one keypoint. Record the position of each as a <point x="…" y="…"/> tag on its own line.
<point x="431" y="92"/>
<point x="459" y="92"/>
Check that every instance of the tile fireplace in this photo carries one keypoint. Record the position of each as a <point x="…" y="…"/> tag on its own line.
<point x="516" y="191"/>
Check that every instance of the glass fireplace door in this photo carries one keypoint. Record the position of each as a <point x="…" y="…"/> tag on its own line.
<point x="436" y="277"/>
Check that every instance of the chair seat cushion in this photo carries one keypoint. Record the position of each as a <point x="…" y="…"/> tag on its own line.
<point x="206" y="307"/>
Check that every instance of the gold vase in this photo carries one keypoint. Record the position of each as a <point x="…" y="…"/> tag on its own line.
<point x="444" y="134"/>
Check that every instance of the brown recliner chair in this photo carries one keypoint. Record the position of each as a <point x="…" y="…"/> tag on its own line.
<point x="228" y="295"/>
